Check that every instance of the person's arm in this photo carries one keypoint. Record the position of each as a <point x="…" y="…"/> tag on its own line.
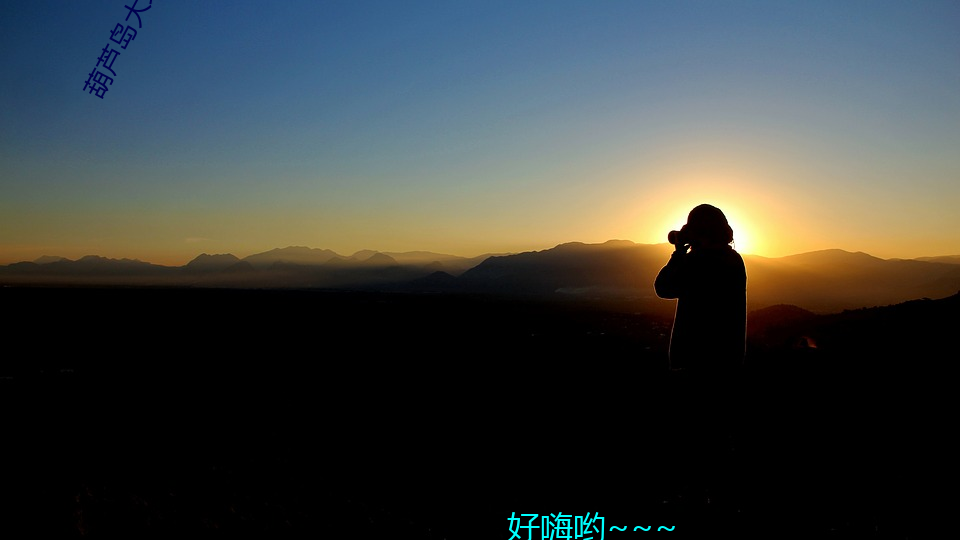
<point x="669" y="282"/>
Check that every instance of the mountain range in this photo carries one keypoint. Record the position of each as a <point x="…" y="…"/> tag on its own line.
<point x="821" y="281"/>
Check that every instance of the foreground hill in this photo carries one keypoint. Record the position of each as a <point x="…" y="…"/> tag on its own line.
<point x="908" y="337"/>
<point x="157" y="410"/>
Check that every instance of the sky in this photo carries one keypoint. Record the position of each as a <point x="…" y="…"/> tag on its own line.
<point x="472" y="127"/>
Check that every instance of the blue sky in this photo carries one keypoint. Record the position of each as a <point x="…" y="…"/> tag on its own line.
<point x="472" y="127"/>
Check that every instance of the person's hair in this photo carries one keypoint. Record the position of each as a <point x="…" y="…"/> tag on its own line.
<point x="708" y="223"/>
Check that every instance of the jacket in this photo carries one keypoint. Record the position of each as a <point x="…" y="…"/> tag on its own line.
<point x="709" y="328"/>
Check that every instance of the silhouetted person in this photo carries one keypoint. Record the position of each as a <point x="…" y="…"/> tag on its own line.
<point x="706" y="276"/>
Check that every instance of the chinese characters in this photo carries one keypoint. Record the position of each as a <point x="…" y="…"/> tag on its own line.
<point x="98" y="81"/>
<point x="562" y="526"/>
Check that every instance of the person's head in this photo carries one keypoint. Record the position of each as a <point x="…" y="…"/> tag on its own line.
<point x="707" y="226"/>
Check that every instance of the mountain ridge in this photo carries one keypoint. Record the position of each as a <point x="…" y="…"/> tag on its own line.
<point x="419" y="255"/>
<point x="821" y="281"/>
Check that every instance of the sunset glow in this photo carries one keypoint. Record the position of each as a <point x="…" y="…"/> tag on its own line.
<point x="472" y="128"/>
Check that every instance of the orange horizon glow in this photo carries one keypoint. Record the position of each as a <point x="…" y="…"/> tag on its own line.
<point x="610" y="122"/>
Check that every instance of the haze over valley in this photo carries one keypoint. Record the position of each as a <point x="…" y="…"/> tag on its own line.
<point x="822" y="281"/>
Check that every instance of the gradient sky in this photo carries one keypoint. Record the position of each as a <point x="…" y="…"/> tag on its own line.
<point x="473" y="127"/>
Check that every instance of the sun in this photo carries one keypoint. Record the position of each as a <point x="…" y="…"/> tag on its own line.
<point x="741" y="236"/>
<point x="744" y="238"/>
<point x="747" y="239"/>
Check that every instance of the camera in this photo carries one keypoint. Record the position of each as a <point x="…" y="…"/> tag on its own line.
<point x="679" y="238"/>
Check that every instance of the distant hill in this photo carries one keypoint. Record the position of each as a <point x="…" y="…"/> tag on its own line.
<point x="822" y="281"/>
<point x="293" y="254"/>
<point x="211" y="263"/>
<point x="450" y="264"/>
<point x="91" y="269"/>
<point x="616" y="266"/>
<point x="826" y="281"/>
<point x="46" y="259"/>
<point x="289" y="267"/>
<point x="833" y="280"/>
<point x="362" y="259"/>
<point x="949" y="259"/>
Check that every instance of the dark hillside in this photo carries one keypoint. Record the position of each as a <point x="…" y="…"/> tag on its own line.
<point x="175" y="410"/>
